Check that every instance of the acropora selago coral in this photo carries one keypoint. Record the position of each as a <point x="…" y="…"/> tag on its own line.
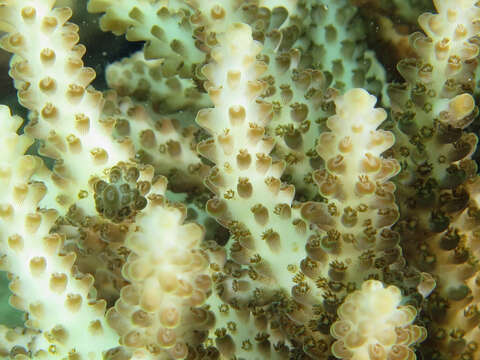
<point x="237" y="192"/>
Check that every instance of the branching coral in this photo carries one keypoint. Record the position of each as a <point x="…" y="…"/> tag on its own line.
<point x="316" y="224"/>
<point x="373" y="325"/>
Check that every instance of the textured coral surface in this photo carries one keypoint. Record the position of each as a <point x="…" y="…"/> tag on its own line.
<point x="259" y="181"/>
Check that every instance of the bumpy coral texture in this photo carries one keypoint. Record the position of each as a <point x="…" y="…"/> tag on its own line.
<point x="373" y="325"/>
<point x="251" y="185"/>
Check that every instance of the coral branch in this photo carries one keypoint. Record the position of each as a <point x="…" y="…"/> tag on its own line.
<point x="315" y="224"/>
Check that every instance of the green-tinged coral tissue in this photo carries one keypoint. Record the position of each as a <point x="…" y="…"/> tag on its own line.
<point x="247" y="186"/>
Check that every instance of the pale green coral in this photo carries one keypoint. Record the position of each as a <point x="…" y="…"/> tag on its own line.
<point x="318" y="224"/>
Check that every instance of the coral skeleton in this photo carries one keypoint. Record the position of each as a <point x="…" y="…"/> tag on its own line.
<point x="256" y="183"/>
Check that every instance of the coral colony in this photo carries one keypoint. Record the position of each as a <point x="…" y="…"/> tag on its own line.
<point x="253" y="184"/>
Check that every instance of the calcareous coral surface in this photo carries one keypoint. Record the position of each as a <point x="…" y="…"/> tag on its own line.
<point x="258" y="182"/>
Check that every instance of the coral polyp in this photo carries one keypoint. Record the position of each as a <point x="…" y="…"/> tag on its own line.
<point x="258" y="182"/>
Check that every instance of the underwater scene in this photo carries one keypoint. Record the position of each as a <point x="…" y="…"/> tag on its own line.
<point x="239" y="180"/>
